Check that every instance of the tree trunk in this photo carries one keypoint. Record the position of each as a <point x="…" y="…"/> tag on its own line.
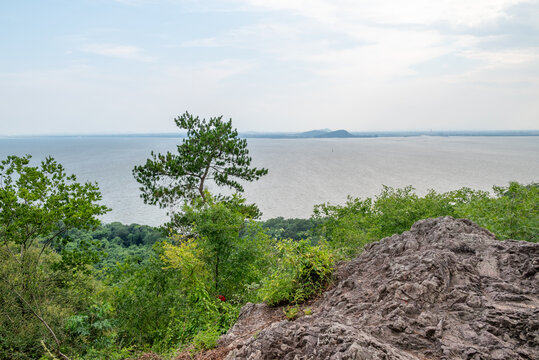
<point x="202" y="179"/>
<point x="217" y="275"/>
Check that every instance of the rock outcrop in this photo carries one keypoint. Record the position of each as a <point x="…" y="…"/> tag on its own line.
<point x="447" y="289"/>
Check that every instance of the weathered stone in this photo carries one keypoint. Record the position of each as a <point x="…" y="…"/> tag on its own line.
<point x="447" y="289"/>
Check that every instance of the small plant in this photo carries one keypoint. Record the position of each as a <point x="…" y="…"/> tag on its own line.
<point x="206" y="339"/>
<point x="308" y="311"/>
<point x="291" y="312"/>
<point x="303" y="271"/>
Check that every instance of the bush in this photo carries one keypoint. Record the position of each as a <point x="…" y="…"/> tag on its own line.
<point x="302" y="271"/>
<point x="202" y="316"/>
<point x="93" y="330"/>
<point x="206" y="339"/>
<point x="281" y="228"/>
<point x="60" y="294"/>
<point x="346" y="227"/>
<point x="512" y="214"/>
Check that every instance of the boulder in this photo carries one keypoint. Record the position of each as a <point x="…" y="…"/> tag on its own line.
<point x="446" y="289"/>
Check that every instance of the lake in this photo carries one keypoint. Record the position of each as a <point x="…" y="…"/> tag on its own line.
<point x="302" y="172"/>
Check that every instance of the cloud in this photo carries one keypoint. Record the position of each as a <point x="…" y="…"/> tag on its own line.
<point x="395" y="12"/>
<point x="383" y="39"/>
<point x="365" y="51"/>
<point x="210" y="72"/>
<point x="412" y="61"/>
<point x="125" y="52"/>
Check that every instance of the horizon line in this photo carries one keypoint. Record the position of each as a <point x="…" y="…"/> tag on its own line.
<point x="284" y="133"/>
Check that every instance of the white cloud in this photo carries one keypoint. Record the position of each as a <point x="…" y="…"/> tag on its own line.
<point x="209" y="72"/>
<point x="504" y="57"/>
<point x="396" y="12"/>
<point x="382" y="39"/>
<point x="126" y="52"/>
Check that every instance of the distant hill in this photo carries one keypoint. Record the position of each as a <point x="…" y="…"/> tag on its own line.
<point x="314" y="133"/>
<point x="336" y="134"/>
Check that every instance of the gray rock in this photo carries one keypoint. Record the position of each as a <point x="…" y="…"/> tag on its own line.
<point x="447" y="289"/>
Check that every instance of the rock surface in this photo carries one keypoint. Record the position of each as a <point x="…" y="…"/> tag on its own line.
<point x="447" y="289"/>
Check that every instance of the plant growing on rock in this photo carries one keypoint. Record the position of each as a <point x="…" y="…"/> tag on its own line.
<point x="303" y="270"/>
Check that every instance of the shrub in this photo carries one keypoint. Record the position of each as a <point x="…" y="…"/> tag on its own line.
<point x="511" y="214"/>
<point x="347" y="228"/>
<point x="303" y="270"/>
<point x="206" y="339"/>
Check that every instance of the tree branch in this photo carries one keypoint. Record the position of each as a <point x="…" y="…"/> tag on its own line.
<point x="202" y="179"/>
<point x="42" y="320"/>
<point x="49" y="241"/>
<point x="10" y="251"/>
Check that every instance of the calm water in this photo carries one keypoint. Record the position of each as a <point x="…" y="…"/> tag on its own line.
<point x="302" y="172"/>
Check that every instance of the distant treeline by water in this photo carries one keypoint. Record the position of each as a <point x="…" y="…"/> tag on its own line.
<point x="318" y="134"/>
<point x="326" y="133"/>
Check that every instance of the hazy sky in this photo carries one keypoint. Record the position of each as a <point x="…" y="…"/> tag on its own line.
<point x="109" y="66"/>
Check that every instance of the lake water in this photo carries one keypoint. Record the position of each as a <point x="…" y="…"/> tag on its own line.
<point x="302" y="172"/>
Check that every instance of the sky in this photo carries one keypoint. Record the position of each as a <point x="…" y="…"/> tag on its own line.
<point x="131" y="66"/>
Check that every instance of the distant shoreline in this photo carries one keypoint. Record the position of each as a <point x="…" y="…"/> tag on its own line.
<point x="384" y="134"/>
<point x="314" y="134"/>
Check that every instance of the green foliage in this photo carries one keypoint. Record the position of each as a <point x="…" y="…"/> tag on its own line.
<point x="214" y="259"/>
<point x="281" y="228"/>
<point x="115" y="243"/>
<point x="216" y="227"/>
<point x="232" y="245"/>
<point x="203" y="314"/>
<point x="512" y="214"/>
<point x="349" y="227"/>
<point x="130" y="235"/>
<point x="212" y="151"/>
<point x="168" y="300"/>
<point x="43" y="202"/>
<point x="346" y="228"/>
<point x="165" y="301"/>
<point x="291" y="312"/>
<point x="219" y="251"/>
<point x="206" y="339"/>
<point x="37" y="206"/>
<point x="56" y="294"/>
<point x="397" y="209"/>
<point x="146" y="297"/>
<point x="109" y="353"/>
<point x="93" y="330"/>
<point x="302" y="271"/>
